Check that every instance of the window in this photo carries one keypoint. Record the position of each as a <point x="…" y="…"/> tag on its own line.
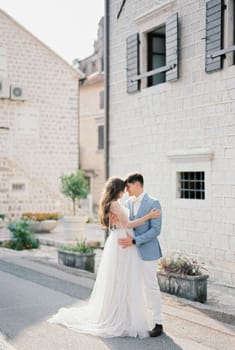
<point x="88" y="179"/>
<point x="156" y="44"/>
<point x="102" y="99"/>
<point x="101" y="137"/>
<point x="191" y="185"/>
<point x="162" y="55"/>
<point x="18" y="187"/>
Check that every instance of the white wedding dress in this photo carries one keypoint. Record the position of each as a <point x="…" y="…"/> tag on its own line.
<point x="117" y="306"/>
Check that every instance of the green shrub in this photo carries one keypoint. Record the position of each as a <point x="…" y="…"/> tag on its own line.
<point x="22" y="237"/>
<point x="81" y="247"/>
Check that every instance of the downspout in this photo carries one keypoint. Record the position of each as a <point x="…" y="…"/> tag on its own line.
<point x="79" y="131"/>
<point x="80" y="83"/>
<point x="106" y="88"/>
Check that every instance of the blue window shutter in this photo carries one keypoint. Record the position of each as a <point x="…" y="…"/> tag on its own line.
<point x="172" y="47"/>
<point x="214" y="34"/>
<point x="132" y="52"/>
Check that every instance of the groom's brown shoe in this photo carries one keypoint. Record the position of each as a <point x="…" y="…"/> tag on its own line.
<point x="156" y="331"/>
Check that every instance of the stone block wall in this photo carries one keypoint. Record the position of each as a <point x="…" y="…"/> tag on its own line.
<point x="194" y="113"/>
<point x="41" y="140"/>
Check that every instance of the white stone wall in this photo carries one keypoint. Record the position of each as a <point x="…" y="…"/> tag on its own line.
<point x="42" y="141"/>
<point x="197" y="111"/>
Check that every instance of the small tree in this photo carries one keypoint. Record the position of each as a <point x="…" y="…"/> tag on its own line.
<point x="75" y="186"/>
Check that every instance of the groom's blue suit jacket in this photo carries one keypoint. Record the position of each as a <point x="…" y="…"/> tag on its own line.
<point x="146" y="235"/>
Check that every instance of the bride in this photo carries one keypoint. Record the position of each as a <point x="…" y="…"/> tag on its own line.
<point x="117" y="306"/>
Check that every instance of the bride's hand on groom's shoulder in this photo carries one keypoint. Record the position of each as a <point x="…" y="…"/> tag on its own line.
<point x="154" y="213"/>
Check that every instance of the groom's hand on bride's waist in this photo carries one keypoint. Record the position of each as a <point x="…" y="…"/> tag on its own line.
<point x="126" y="242"/>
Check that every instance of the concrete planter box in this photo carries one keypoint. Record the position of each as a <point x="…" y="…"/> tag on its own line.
<point x="188" y="287"/>
<point x="83" y="261"/>
<point x="45" y="226"/>
<point x="74" y="227"/>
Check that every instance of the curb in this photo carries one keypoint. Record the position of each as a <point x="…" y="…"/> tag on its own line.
<point x="212" y="312"/>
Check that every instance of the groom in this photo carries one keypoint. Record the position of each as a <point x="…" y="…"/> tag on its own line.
<point x="147" y="244"/>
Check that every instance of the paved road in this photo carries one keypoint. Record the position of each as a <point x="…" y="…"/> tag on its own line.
<point x="30" y="292"/>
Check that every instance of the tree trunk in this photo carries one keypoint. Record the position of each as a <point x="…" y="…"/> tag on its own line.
<point x="74" y="207"/>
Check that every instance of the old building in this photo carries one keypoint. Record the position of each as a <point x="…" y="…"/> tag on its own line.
<point x="171" y="117"/>
<point x="92" y="119"/>
<point x="39" y="129"/>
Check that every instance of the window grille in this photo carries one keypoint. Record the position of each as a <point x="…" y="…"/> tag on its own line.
<point x="192" y="185"/>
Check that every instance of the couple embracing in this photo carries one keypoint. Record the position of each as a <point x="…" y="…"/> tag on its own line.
<point x="125" y="300"/>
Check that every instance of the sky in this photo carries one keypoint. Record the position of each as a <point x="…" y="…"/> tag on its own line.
<point x="69" y="27"/>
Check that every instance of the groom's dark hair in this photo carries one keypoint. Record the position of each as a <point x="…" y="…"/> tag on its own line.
<point x="132" y="178"/>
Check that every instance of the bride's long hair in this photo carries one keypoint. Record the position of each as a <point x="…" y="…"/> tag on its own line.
<point x="113" y="187"/>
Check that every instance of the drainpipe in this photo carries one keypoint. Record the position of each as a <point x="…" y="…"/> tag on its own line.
<point x="106" y="89"/>
<point x="80" y="83"/>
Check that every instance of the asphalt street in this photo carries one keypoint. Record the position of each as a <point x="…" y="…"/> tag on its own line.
<point x="31" y="292"/>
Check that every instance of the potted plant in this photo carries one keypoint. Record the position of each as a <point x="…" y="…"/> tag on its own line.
<point x="22" y="236"/>
<point x="80" y="256"/>
<point x="75" y="187"/>
<point x="179" y="275"/>
<point x="42" y="222"/>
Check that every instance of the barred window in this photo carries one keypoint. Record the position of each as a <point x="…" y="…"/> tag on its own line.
<point x="191" y="185"/>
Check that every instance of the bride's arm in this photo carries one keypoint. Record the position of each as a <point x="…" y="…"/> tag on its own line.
<point x="153" y="214"/>
<point x="122" y="218"/>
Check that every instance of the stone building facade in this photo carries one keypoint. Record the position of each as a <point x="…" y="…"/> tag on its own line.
<point x="92" y="120"/>
<point x="178" y="127"/>
<point x="39" y="129"/>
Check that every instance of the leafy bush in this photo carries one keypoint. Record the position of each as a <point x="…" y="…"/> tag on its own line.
<point x="81" y="247"/>
<point x="22" y="237"/>
<point x="41" y="216"/>
<point x="2" y="216"/>
<point x="181" y="264"/>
